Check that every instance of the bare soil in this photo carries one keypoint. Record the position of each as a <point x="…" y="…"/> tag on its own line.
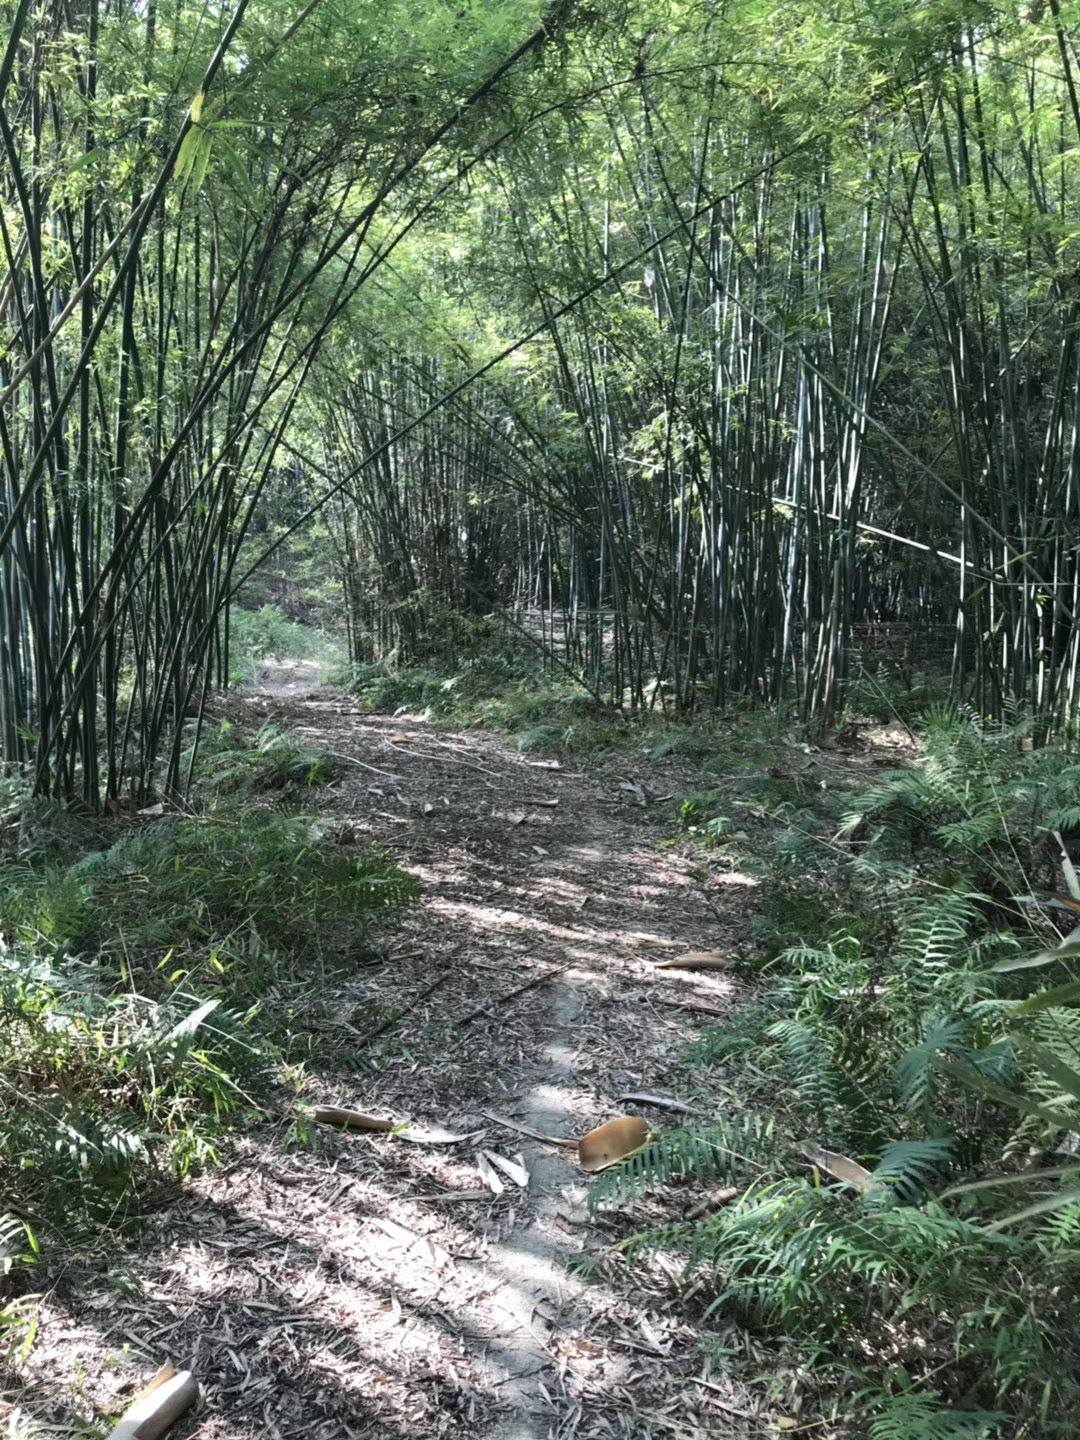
<point x="373" y="1285"/>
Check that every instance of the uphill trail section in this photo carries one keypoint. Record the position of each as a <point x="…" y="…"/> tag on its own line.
<point x="375" y="1284"/>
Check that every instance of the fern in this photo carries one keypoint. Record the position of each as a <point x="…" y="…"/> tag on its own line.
<point x="800" y="1256"/>
<point x="808" y="1051"/>
<point x="913" y="1071"/>
<point x="1063" y="817"/>
<point x="911" y="1168"/>
<point x="920" y="1415"/>
<point x="272" y="760"/>
<point x="933" y="932"/>
<point x="1059" y="1030"/>
<point x="1061" y="1229"/>
<point x="720" y="1151"/>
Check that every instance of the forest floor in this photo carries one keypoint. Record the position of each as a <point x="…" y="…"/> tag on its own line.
<point x="374" y="1285"/>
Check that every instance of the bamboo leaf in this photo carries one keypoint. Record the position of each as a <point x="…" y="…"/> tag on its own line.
<point x="1004" y="1096"/>
<point x="1048" y="999"/>
<point x="202" y="163"/>
<point x="1055" y="1068"/>
<point x="1040" y="1207"/>
<point x="1024" y="1177"/>
<point x="1072" y="880"/>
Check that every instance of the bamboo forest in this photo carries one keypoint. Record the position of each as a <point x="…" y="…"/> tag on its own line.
<point x="540" y="719"/>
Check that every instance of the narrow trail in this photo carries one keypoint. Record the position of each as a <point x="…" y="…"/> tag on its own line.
<point x="371" y="1286"/>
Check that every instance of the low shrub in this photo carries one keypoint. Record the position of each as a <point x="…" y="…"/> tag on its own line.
<point x="135" y="1024"/>
<point x="266" y="634"/>
<point x="906" y="1232"/>
<point x="271" y="760"/>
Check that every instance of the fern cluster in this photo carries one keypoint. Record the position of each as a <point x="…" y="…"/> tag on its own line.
<point x="102" y="1081"/>
<point x="271" y="760"/>
<point x="977" y="811"/>
<point x="134" y="1018"/>
<point x="209" y="890"/>
<point x="893" y="1051"/>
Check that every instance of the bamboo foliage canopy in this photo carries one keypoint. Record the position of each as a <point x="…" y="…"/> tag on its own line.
<point x="714" y="338"/>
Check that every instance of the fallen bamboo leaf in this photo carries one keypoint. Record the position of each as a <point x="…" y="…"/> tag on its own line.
<point x="516" y="817"/>
<point x="153" y="1413"/>
<point x="1068" y="869"/>
<point x="509" y="1124"/>
<point x="664" y="1102"/>
<point x="432" y="1135"/>
<point x="409" y="1243"/>
<point x="715" y="1201"/>
<point x="488" y="1175"/>
<point x="349" y="1119"/>
<point x="400" y="1235"/>
<point x="687" y="1005"/>
<point x="696" y="960"/>
<point x="513" y="1170"/>
<point x="609" y="1143"/>
<point x="652" y="1337"/>
<point x="166" y="1373"/>
<point x="723" y="1404"/>
<point x="510" y="995"/>
<point x="849" y="1172"/>
<point x="545" y="804"/>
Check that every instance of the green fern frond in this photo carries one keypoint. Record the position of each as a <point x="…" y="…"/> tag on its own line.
<point x="1063" y="817"/>
<point x="1061" y="1228"/>
<point x="934" y="932"/>
<point x="920" y="1415"/>
<point x="713" y="1152"/>
<point x="912" y="1167"/>
<point x="809" y="1049"/>
<point x="913" y="1072"/>
<point x="786" y="1245"/>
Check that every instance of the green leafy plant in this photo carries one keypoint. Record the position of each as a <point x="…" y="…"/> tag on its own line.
<point x="907" y="1055"/>
<point x="136" y="1026"/>
<point x="271" y="760"/>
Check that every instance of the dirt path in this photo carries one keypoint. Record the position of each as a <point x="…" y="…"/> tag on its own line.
<point x="372" y="1286"/>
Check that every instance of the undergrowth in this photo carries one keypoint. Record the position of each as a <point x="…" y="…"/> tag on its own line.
<point x="234" y="764"/>
<point x="268" y="634"/>
<point x="151" y="970"/>
<point x="906" y="1082"/>
<point x="544" y="714"/>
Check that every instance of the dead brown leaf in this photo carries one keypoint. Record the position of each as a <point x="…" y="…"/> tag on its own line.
<point x="696" y="960"/>
<point x="152" y="1414"/>
<point x="612" y="1142"/>
<point x="349" y="1119"/>
<point x="850" y="1172"/>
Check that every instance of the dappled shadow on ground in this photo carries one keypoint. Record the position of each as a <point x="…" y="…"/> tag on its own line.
<point x="334" y="1284"/>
